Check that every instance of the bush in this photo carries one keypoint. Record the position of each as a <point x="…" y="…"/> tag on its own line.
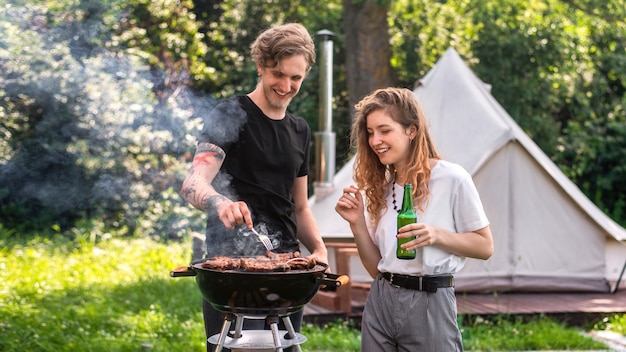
<point x="90" y="135"/>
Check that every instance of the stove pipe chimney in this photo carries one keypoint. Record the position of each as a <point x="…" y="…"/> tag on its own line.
<point x="325" y="138"/>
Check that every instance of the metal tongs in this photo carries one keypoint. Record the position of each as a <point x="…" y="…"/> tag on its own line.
<point x="264" y="239"/>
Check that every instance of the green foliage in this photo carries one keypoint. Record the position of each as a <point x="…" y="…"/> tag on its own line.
<point x="422" y="30"/>
<point x="615" y="323"/>
<point x="514" y="333"/>
<point x="106" y="296"/>
<point x="89" y="138"/>
<point x="166" y="34"/>
<point x="557" y="67"/>
<point x="337" y="336"/>
<point x="594" y="159"/>
<point x="100" y="101"/>
<point x="99" y="293"/>
<point x="544" y="49"/>
<point x="230" y="28"/>
<point x="592" y="148"/>
<point x="116" y="295"/>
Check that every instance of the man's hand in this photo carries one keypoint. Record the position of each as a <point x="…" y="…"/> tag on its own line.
<point x="232" y="214"/>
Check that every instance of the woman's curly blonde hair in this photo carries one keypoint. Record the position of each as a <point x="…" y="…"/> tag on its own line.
<point x="370" y="174"/>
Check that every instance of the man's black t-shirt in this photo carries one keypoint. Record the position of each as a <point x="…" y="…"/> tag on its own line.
<point x="263" y="159"/>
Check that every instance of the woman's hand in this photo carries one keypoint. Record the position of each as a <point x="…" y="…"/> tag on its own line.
<point x="425" y="235"/>
<point x="350" y="205"/>
<point x="351" y="208"/>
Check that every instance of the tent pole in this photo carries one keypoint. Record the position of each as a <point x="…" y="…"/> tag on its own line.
<point x="619" y="279"/>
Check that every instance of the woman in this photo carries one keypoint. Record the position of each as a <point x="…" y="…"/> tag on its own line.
<point x="411" y="305"/>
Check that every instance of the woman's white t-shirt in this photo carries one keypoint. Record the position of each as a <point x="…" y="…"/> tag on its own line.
<point x="454" y="205"/>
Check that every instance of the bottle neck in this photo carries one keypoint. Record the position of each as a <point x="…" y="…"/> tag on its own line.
<point x="407" y="199"/>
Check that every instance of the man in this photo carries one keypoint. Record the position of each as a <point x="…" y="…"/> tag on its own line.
<point x="251" y="164"/>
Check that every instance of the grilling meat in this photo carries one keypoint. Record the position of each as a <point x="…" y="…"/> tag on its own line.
<point x="222" y="263"/>
<point x="269" y="262"/>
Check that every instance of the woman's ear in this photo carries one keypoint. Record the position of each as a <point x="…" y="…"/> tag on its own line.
<point x="412" y="132"/>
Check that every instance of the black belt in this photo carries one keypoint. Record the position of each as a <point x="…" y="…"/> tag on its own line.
<point x="420" y="283"/>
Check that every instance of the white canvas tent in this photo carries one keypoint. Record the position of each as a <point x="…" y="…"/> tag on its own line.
<point x="548" y="235"/>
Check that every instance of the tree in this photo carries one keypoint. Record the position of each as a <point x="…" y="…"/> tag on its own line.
<point x="91" y="140"/>
<point x="593" y="143"/>
<point x="368" y="50"/>
<point x="556" y="67"/>
<point x="111" y="92"/>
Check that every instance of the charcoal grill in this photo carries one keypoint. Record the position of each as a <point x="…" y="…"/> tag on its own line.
<point x="272" y="296"/>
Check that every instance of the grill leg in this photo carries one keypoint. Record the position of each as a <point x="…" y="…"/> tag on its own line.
<point x="224" y="332"/>
<point x="273" y="323"/>
<point x="238" y="327"/>
<point x="291" y="332"/>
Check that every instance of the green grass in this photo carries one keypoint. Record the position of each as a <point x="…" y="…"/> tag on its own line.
<point x="338" y="336"/>
<point x="513" y="333"/>
<point x="117" y="296"/>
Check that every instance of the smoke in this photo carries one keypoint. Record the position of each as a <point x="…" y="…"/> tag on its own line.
<point x="222" y="127"/>
<point x="95" y="133"/>
<point x="86" y="135"/>
<point x="223" y="124"/>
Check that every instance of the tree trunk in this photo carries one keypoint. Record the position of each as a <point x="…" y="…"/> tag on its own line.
<point x="368" y="52"/>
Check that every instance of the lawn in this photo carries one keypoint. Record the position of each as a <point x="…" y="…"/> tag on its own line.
<point x="116" y="295"/>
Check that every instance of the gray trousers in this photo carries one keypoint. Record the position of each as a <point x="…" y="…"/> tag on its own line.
<point x="399" y="319"/>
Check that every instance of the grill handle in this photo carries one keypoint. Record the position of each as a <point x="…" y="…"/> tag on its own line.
<point x="333" y="279"/>
<point x="183" y="271"/>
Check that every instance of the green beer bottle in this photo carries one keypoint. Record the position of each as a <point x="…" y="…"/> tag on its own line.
<point x="406" y="216"/>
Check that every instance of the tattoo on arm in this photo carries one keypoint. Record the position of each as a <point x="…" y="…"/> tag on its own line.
<point x="207" y="151"/>
<point x="211" y="202"/>
<point x="197" y="188"/>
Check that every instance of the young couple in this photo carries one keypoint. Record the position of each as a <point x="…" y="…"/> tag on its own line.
<point x="251" y="166"/>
